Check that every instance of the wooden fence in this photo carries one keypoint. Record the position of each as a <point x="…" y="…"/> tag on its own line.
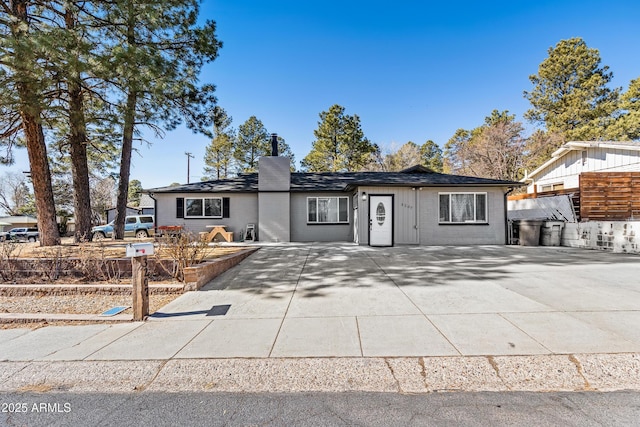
<point x="602" y="196"/>
<point x="608" y="196"/>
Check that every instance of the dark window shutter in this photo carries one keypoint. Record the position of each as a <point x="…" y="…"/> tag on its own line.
<point x="180" y="207"/>
<point x="225" y="207"/>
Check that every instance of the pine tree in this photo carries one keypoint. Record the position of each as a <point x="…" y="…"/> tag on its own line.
<point x="135" y="191"/>
<point x="156" y="51"/>
<point x="570" y="94"/>
<point x="252" y="142"/>
<point x="340" y="144"/>
<point x="285" y="151"/>
<point x="431" y="156"/>
<point x="218" y="155"/>
<point x="24" y="49"/>
<point x="76" y="42"/>
<point x="627" y="125"/>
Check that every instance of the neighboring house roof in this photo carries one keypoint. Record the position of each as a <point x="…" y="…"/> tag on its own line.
<point x="133" y="208"/>
<point x="145" y="201"/>
<point x="417" y="176"/>
<point x="19" y="219"/>
<point x="582" y="145"/>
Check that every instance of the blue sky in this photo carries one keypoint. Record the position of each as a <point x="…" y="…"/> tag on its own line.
<point x="412" y="70"/>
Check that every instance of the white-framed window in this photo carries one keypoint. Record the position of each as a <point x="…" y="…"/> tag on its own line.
<point x="552" y="187"/>
<point x="327" y="210"/>
<point x="463" y="208"/>
<point x="203" y="207"/>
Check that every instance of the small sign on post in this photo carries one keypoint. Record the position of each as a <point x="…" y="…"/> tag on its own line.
<point x="138" y="253"/>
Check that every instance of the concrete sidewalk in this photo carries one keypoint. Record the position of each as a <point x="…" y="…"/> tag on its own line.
<point x="539" y="306"/>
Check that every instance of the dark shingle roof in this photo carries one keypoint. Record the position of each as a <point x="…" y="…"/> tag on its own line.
<point x="348" y="180"/>
<point x="341" y="181"/>
<point x="243" y="183"/>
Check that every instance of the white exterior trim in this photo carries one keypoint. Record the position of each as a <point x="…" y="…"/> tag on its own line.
<point x="573" y="158"/>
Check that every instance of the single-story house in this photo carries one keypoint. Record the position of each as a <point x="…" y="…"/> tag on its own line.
<point x="416" y="206"/>
<point x="131" y="210"/>
<point x="146" y="205"/>
<point x="563" y="169"/>
<point x="17" y="221"/>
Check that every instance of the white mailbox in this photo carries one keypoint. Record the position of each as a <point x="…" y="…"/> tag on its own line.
<point x="139" y="249"/>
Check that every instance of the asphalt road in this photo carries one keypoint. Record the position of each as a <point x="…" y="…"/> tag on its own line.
<point x="320" y="409"/>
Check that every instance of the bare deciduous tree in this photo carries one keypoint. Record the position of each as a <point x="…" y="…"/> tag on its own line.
<point x="15" y="196"/>
<point x="494" y="150"/>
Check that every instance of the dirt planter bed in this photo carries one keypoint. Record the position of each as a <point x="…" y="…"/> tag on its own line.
<point x="195" y="277"/>
<point x="80" y="299"/>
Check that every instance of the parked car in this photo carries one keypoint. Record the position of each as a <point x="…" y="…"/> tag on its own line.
<point x="139" y="226"/>
<point x="23" y="234"/>
<point x="3" y="235"/>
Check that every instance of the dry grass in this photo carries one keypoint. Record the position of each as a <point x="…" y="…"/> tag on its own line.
<point x="72" y="304"/>
<point x="76" y="304"/>
<point x="91" y="260"/>
<point x="82" y="303"/>
<point x="105" y="248"/>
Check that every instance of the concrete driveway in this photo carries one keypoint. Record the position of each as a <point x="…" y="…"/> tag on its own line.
<point x="346" y="300"/>
<point x="328" y="300"/>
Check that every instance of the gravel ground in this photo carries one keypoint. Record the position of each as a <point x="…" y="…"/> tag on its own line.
<point x="76" y="304"/>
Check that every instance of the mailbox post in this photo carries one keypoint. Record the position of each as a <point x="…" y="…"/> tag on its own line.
<point x="138" y="253"/>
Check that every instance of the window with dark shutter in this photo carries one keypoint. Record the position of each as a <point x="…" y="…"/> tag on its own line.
<point x="180" y="207"/>
<point x="225" y="207"/>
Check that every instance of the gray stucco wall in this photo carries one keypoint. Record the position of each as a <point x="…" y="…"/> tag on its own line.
<point x="274" y="174"/>
<point x="243" y="209"/>
<point x="423" y="205"/>
<point x="303" y="232"/>
<point x="273" y="211"/>
<point x="433" y="233"/>
<point x="408" y="205"/>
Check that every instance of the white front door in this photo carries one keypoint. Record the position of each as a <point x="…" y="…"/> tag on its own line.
<point x="381" y="220"/>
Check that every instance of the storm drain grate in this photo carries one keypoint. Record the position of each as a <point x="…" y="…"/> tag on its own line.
<point x="219" y="310"/>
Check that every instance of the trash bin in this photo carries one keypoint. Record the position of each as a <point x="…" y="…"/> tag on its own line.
<point x="551" y="232"/>
<point x="529" y="231"/>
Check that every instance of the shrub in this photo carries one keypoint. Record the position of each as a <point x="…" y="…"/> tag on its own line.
<point x="185" y="249"/>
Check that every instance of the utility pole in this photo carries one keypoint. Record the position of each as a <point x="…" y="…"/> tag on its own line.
<point x="189" y="157"/>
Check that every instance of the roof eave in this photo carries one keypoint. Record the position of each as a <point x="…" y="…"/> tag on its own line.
<point x="578" y="145"/>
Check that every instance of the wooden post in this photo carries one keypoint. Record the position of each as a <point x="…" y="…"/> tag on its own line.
<point x="140" y="287"/>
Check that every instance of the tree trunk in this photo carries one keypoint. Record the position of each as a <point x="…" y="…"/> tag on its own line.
<point x="78" y="151"/>
<point x="79" y="166"/>
<point x="41" y="178"/>
<point x="125" y="165"/>
<point x="127" y="135"/>
<point x="34" y="135"/>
